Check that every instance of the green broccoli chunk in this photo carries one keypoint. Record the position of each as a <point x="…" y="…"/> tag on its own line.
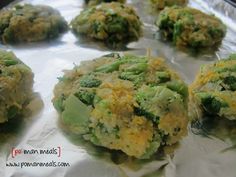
<point x="89" y="81"/>
<point x="142" y="112"/>
<point x="10" y="62"/>
<point x="137" y="68"/>
<point x="136" y="79"/>
<point x="178" y="86"/>
<point x="178" y="28"/>
<point x="158" y="100"/>
<point x="230" y="82"/>
<point x="58" y="103"/>
<point x="210" y="103"/>
<point x="108" y="68"/>
<point x="85" y="96"/>
<point x="76" y="114"/>
<point x="134" y="73"/>
<point x="118" y="24"/>
<point x="7" y="59"/>
<point x="162" y="76"/>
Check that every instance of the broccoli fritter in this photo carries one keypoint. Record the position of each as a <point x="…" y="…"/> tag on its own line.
<point x="30" y="23"/>
<point x="96" y="2"/>
<point x="16" y="80"/>
<point x="114" y="23"/>
<point x="213" y="93"/>
<point x="190" y="27"/>
<point x="161" y="4"/>
<point x="130" y="103"/>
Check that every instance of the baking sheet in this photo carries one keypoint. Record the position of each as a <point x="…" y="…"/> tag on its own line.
<point x="39" y="141"/>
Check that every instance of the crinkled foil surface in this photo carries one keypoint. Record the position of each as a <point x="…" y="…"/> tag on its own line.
<point x="40" y="140"/>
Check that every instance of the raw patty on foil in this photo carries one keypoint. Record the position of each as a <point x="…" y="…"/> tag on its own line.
<point x="30" y="23"/>
<point x="114" y="23"/>
<point x="96" y="2"/>
<point x="161" y="4"/>
<point x="213" y="93"/>
<point x="135" y="104"/>
<point x="16" y="81"/>
<point x="190" y="27"/>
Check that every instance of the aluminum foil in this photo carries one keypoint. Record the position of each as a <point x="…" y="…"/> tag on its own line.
<point x="37" y="147"/>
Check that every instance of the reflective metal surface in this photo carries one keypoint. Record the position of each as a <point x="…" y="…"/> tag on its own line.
<point x="40" y="141"/>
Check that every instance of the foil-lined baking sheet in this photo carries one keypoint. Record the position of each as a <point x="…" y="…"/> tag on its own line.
<point x="37" y="147"/>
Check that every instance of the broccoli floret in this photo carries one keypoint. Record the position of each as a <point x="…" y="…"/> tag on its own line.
<point x="158" y="100"/>
<point x="8" y="58"/>
<point x="85" y="96"/>
<point x="118" y="24"/>
<point x="178" y="86"/>
<point x="134" y="73"/>
<point x="178" y="29"/>
<point x="162" y="76"/>
<point x="58" y="103"/>
<point x="230" y="82"/>
<point x="139" y="65"/>
<point x="135" y="78"/>
<point x="141" y="112"/>
<point x="137" y="68"/>
<point x="89" y="81"/>
<point x="108" y="68"/>
<point x="210" y="103"/>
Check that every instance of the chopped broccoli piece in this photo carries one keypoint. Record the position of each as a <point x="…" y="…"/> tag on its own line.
<point x="162" y="76"/>
<point x="76" y="113"/>
<point x="134" y="73"/>
<point x="118" y="24"/>
<point x="10" y="62"/>
<point x="230" y="81"/>
<point x="157" y="100"/>
<point x="136" y="79"/>
<point x="178" y="28"/>
<point x="137" y="68"/>
<point x="178" y="86"/>
<point x="141" y="112"/>
<point x="89" y="81"/>
<point x="58" y="103"/>
<point x="210" y="103"/>
<point x="109" y="67"/>
<point x="85" y="96"/>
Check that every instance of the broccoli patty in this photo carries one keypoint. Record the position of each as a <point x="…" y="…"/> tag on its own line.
<point x="96" y="2"/>
<point x="30" y="23"/>
<point x="190" y="27"/>
<point x="130" y="103"/>
<point x="114" y="23"/>
<point x="16" y="80"/>
<point x="161" y="4"/>
<point x="213" y="93"/>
